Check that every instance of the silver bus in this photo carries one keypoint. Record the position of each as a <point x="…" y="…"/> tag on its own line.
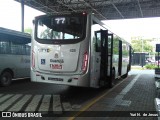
<point x="77" y="50"/>
<point x="14" y="56"/>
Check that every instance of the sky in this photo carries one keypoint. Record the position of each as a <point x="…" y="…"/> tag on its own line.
<point x="10" y="12"/>
<point x="140" y="27"/>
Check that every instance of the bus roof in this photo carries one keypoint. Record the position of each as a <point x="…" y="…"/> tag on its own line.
<point x="10" y="35"/>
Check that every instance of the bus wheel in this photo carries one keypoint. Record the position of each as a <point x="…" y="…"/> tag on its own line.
<point x="5" y="78"/>
<point x="112" y="79"/>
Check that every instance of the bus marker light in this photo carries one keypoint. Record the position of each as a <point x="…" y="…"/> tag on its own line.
<point x="84" y="13"/>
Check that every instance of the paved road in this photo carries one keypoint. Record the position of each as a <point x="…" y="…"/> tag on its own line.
<point x="24" y="96"/>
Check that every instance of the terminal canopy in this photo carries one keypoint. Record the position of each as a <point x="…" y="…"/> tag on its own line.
<point x="103" y="9"/>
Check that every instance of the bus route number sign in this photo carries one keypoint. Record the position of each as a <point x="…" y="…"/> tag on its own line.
<point x="60" y="20"/>
<point x="157" y="47"/>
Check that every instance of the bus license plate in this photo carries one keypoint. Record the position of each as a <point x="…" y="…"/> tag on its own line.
<point x="55" y="79"/>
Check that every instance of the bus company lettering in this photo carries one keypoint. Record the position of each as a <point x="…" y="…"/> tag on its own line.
<point x="55" y="66"/>
<point x="57" y="61"/>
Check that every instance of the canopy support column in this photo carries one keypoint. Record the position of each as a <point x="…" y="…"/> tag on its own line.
<point x="22" y="15"/>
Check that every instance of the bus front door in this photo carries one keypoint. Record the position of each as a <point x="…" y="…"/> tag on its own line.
<point x="110" y="69"/>
<point x="104" y="49"/>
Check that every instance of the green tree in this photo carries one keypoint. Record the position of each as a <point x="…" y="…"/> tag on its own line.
<point x="48" y="34"/>
<point x="28" y="30"/>
<point x="140" y="45"/>
<point x="116" y="45"/>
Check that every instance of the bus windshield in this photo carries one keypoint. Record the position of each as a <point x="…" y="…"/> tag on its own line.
<point x="61" y="27"/>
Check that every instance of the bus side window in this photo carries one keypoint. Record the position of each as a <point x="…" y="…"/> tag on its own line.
<point x="4" y="47"/>
<point x="28" y="48"/>
<point x="98" y="41"/>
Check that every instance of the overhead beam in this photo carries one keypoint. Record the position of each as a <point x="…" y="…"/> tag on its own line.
<point x="42" y="6"/>
<point x="103" y="9"/>
<point x="117" y="10"/>
<point x="140" y="8"/>
<point x="95" y="10"/>
<point x="61" y="2"/>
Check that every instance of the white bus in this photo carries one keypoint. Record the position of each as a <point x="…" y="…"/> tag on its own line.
<point x="77" y="50"/>
<point x="14" y="55"/>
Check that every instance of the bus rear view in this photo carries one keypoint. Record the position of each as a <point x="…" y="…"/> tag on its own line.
<point x="60" y="50"/>
<point x="77" y="50"/>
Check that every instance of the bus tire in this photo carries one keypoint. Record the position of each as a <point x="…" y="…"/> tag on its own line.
<point x="112" y="79"/>
<point x="5" y="78"/>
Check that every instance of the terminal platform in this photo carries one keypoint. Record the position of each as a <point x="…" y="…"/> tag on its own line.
<point x="132" y="99"/>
